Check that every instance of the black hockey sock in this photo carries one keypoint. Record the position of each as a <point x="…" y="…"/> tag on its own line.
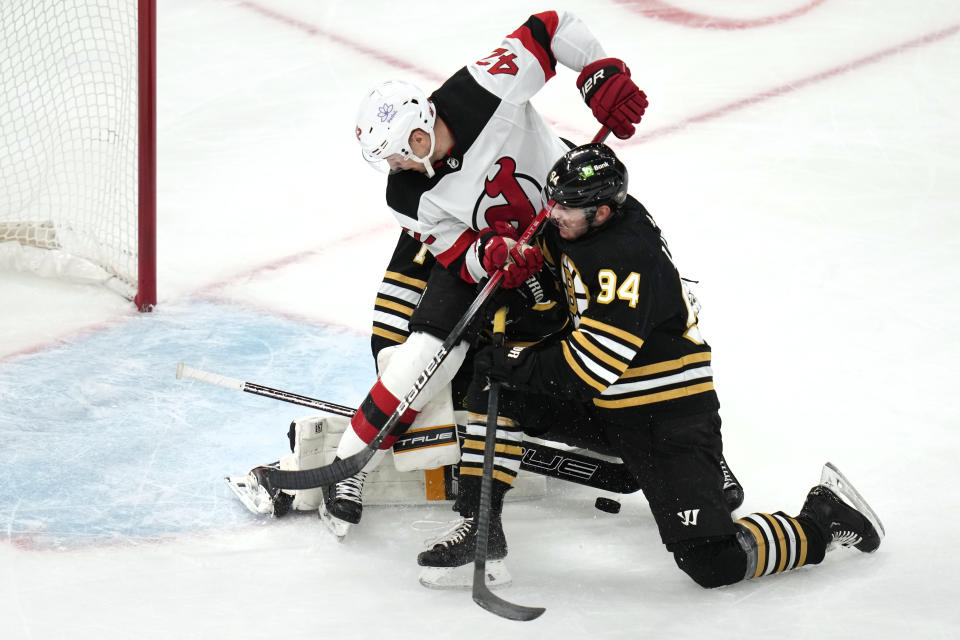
<point x="468" y="497"/>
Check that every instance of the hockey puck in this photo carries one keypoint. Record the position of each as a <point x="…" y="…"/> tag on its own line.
<point x="607" y="504"/>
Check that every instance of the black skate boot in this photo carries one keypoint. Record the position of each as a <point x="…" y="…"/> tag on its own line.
<point x="343" y="504"/>
<point x="841" y="513"/>
<point x="458" y="545"/>
<point x="732" y="489"/>
<point x="255" y="495"/>
<point x="448" y="564"/>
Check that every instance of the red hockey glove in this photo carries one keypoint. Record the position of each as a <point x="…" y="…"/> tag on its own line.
<point x="613" y="97"/>
<point x="501" y="251"/>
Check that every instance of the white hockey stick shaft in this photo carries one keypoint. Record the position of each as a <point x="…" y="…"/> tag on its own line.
<point x="186" y="371"/>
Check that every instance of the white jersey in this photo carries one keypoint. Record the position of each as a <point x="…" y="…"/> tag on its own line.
<point x="503" y="149"/>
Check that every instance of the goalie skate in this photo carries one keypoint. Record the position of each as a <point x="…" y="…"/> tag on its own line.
<point x="257" y="499"/>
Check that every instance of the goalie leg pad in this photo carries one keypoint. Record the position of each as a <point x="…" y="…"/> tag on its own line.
<point x="314" y="441"/>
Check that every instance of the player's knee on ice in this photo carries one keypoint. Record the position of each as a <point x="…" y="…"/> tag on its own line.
<point x="711" y="562"/>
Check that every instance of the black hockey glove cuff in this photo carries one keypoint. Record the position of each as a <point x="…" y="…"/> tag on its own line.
<point x="534" y="290"/>
<point x="511" y="366"/>
<point x="519" y="300"/>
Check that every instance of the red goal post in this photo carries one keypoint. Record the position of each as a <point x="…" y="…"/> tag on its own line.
<point x="78" y="142"/>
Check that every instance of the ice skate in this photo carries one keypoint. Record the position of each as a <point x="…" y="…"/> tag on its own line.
<point x="256" y="498"/>
<point x="342" y="505"/>
<point x="449" y="562"/>
<point x="846" y="517"/>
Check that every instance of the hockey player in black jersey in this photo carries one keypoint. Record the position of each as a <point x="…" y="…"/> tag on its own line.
<point x="633" y="376"/>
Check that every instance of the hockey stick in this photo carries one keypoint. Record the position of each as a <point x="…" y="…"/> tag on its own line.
<point x="481" y="592"/>
<point x="185" y="371"/>
<point x="538" y="457"/>
<point x="275" y="479"/>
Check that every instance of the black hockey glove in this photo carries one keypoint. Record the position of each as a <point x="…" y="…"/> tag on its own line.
<point x="532" y="291"/>
<point x="510" y="365"/>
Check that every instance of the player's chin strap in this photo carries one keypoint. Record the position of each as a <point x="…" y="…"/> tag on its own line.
<point x="425" y="161"/>
<point x="275" y="479"/>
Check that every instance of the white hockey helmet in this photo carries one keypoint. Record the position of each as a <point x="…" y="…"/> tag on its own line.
<point x="386" y="118"/>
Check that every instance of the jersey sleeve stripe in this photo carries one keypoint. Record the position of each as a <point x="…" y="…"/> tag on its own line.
<point x="672" y="394"/>
<point x="399" y="294"/>
<point x="397" y="322"/>
<point x="535" y="36"/>
<point x="390" y="335"/>
<point x="668" y="365"/>
<point x="626" y="353"/>
<point x="685" y="376"/>
<point x="599" y="370"/>
<point x="618" y="365"/>
<point x="611" y="330"/>
<point x="399" y="277"/>
<point x="395" y="306"/>
<point x="577" y="369"/>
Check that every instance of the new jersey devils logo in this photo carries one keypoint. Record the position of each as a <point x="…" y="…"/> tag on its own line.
<point x="507" y="196"/>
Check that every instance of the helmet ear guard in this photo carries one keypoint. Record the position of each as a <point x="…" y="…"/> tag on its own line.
<point x="587" y="177"/>
<point x="388" y="115"/>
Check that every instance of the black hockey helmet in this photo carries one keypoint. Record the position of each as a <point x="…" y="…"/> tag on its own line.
<point x="586" y="177"/>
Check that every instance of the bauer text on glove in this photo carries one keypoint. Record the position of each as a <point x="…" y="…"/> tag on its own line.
<point x="508" y="365"/>
<point x="614" y="98"/>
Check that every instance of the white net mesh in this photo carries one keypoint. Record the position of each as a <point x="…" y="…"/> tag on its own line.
<point x="68" y="132"/>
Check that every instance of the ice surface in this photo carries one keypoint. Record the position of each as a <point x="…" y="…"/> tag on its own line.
<point x="805" y="167"/>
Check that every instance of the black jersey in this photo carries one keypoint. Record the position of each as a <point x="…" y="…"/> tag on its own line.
<point x="635" y="348"/>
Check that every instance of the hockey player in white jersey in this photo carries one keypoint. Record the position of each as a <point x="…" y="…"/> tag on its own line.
<point x="466" y="165"/>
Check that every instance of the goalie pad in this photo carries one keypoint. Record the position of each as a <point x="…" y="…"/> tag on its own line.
<point x="313" y="442"/>
<point x="431" y="441"/>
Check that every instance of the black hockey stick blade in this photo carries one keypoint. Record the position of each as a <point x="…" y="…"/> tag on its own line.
<point x="494" y="604"/>
<point x="273" y="479"/>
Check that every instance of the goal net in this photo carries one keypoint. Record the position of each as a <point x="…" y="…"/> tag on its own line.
<point x="77" y="153"/>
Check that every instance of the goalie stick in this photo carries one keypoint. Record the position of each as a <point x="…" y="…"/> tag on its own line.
<point x="185" y="371"/>
<point x="538" y="456"/>
<point x="481" y="592"/>
<point x="340" y="469"/>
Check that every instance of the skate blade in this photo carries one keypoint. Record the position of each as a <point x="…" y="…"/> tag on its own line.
<point x="462" y="577"/>
<point x="833" y="479"/>
<point x="253" y="496"/>
<point x="335" y="526"/>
